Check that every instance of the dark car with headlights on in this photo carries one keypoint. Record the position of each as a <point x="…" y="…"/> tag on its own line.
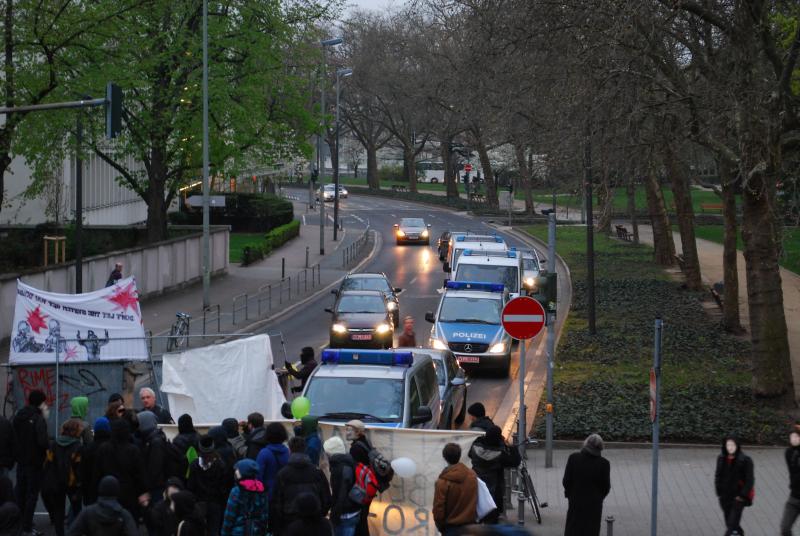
<point x="373" y="281"/>
<point x="361" y="319"/>
<point x="412" y="230"/>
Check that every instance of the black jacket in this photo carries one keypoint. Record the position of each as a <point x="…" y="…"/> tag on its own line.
<point x="342" y="478"/>
<point x="8" y="454"/>
<point x="310" y="521"/>
<point x="162" y="519"/>
<point x="489" y="463"/>
<point x="587" y="481"/>
<point x="106" y="517"/>
<point x="185" y="440"/>
<point x="255" y="441"/>
<point x="30" y="429"/>
<point x="122" y="459"/>
<point x="359" y="450"/>
<point x="299" y="476"/>
<point x="793" y="463"/>
<point x="734" y="476"/>
<point x="163" y="415"/>
<point x="482" y="423"/>
<point x="212" y="484"/>
<point x="154" y="451"/>
<point x="88" y="459"/>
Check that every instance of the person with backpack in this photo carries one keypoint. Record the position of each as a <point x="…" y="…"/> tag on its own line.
<point x="246" y="511"/>
<point x="187" y="435"/>
<point x="310" y="520"/>
<point x="102" y="433"/>
<point x="79" y="406"/>
<point x="734" y="483"/>
<point x="30" y="430"/>
<point x="299" y="476"/>
<point x="187" y="514"/>
<point x="223" y="446"/>
<point x="479" y="422"/>
<point x="209" y="480"/>
<point x="272" y="457"/>
<point x="122" y="459"/>
<point x="455" y="498"/>
<point x="360" y="447"/>
<point x="308" y="430"/>
<point x="373" y="472"/>
<point x="236" y="440"/>
<point x="106" y="516"/>
<point x="61" y="473"/>
<point x="344" y="511"/>
<point x="490" y="457"/>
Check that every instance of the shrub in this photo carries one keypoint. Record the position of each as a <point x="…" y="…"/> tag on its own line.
<point x="245" y="212"/>
<point x="391" y="173"/>
<point x="274" y="239"/>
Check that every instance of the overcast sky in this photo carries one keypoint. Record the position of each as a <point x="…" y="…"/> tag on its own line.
<point x="371" y="4"/>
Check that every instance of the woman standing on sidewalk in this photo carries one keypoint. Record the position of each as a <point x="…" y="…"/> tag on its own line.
<point x="733" y="482"/>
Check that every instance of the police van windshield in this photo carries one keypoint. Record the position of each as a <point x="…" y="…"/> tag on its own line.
<point x="470" y="310"/>
<point x="381" y="398"/>
<point x="489" y="273"/>
<point x="366" y="283"/>
<point x="361" y="304"/>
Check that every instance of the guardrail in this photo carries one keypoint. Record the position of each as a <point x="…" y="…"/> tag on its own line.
<point x="353" y="251"/>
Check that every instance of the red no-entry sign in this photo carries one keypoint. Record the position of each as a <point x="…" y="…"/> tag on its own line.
<point x="468" y="168"/>
<point x="523" y="318"/>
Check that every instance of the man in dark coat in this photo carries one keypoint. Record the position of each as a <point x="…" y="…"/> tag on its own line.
<point x="153" y="444"/>
<point x="587" y="481"/>
<point x="733" y="482"/>
<point x="8" y="453"/>
<point x="299" y="476"/>
<point x="187" y="435"/>
<point x="490" y="457"/>
<point x="90" y="481"/>
<point x="106" y="516"/>
<point x="479" y="421"/>
<point x="30" y="429"/>
<point x="256" y="436"/>
<point x="792" y="508"/>
<point x="210" y="479"/>
<point x="120" y="458"/>
<point x="148" y="398"/>
<point x="10" y="514"/>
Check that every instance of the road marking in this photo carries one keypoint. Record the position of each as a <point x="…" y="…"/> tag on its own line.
<point x="523" y="318"/>
<point x="412" y="281"/>
<point x="304" y="219"/>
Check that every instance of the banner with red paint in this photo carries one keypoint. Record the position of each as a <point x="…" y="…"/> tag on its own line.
<point x="104" y="325"/>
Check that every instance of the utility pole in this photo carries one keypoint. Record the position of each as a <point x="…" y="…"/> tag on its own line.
<point x="325" y="44"/>
<point x="551" y="344"/>
<point x="78" y="205"/>
<point x="206" y="185"/>
<point x="587" y="163"/>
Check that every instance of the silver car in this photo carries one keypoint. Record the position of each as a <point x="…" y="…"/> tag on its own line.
<point x="452" y="387"/>
<point x="412" y="230"/>
<point x="532" y="264"/>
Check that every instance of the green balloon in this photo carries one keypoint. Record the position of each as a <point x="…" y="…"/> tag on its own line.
<point x="300" y="407"/>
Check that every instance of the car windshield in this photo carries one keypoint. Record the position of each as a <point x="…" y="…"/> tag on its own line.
<point x="366" y="283"/>
<point x="361" y="304"/>
<point x="529" y="263"/>
<point x="382" y="398"/>
<point x="412" y="222"/>
<point x="470" y="310"/>
<point x="439" y="366"/>
<point x="489" y="273"/>
<point x="330" y="187"/>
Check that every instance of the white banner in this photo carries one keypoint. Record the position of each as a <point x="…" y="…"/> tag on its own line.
<point x="104" y="325"/>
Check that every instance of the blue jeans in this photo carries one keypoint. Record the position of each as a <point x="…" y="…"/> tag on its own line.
<point x="346" y="527"/>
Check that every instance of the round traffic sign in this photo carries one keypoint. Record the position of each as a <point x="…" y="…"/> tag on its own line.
<point x="468" y="168"/>
<point x="523" y="318"/>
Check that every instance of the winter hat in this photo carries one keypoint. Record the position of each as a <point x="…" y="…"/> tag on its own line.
<point x="358" y="425"/>
<point x="494" y="436"/>
<point x="147" y="421"/>
<point x="185" y="424"/>
<point x="206" y="444"/>
<point x="36" y="397"/>
<point x="220" y="437"/>
<point x="309" y="425"/>
<point x="231" y="427"/>
<point x="108" y="487"/>
<point x="334" y="445"/>
<point x="80" y="406"/>
<point x="276" y="433"/>
<point x="477" y="410"/>
<point x="593" y="444"/>
<point x="114" y="397"/>
<point x="306" y="354"/>
<point x="102" y="425"/>
<point x="247" y="468"/>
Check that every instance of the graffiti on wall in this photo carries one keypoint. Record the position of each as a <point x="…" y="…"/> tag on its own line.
<point x="80" y="382"/>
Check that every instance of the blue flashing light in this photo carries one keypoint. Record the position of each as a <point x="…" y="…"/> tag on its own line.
<point x="366" y="357"/>
<point x="475" y="285"/>
<point x="467" y="252"/>
<point x="460" y="238"/>
<point x="499" y="239"/>
<point x="511" y="254"/>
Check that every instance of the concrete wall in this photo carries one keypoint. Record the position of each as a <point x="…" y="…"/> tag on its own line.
<point x="158" y="268"/>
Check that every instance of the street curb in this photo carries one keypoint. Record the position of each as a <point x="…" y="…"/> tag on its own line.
<point x="260" y="323"/>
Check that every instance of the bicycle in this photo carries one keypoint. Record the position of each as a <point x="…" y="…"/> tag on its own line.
<point x="179" y="332"/>
<point x="525" y="483"/>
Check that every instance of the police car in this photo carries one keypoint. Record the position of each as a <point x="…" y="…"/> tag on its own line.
<point x="391" y="388"/>
<point x="502" y="267"/>
<point x="468" y="323"/>
<point x="474" y="242"/>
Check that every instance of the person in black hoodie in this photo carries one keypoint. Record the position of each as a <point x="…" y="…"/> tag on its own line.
<point x="480" y="422"/>
<point x="490" y="457"/>
<point x="210" y="479"/>
<point x="223" y="446"/>
<point x="309" y="521"/>
<point x="190" y="519"/>
<point x="120" y="458"/>
<point x="344" y="512"/>
<point x="30" y="429"/>
<point x="187" y="435"/>
<point x="161" y="516"/>
<point x="8" y="442"/>
<point x="10" y="515"/>
<point x="61" y="475"/>
<point x="102" y="433"/>
<point x="256" y="437"/>
<point x="106" y="516"/>
<point x="299" y="476"/>
<point x="587" y="481"/>
<point x="733" y="482"/>
<point x="792" y="509"/>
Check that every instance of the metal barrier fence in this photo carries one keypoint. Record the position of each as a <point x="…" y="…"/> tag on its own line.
<point x="354" y="250"/>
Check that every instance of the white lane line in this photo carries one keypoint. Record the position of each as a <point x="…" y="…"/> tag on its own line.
<point x="523" y="318"/>
<point x="412" y="281"/>
<point x="304" y="219"/>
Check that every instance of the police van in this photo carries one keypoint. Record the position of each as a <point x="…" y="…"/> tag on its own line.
<point x="467" y="322"/>
<point x="475" y="242"/>
<point x="501" y="267"/>
<point x="390" y="388"/>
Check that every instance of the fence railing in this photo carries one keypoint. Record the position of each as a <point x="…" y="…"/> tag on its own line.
<point x="354" y="250"/>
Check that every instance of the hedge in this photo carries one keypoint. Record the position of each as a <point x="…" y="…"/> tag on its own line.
<point x="245" y="213"/>
<point x="272" y="240"/>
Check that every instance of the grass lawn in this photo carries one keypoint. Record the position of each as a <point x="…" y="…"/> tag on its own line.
<point x="699" y="197"/>
<point x="238" y="241"/>
<point x="791" y="243"/>
<point x="601" y="381"/>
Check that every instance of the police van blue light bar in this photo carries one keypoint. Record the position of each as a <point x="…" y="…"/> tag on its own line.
<point x="366" y="357"/>
<point x="511" y="254"/>
<point x="475" y="285"/>
<point x="480" y="238"/>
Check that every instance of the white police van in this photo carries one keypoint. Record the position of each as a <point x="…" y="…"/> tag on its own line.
<point x="476" y="242"/>
<point x="468" y="323"/>
<point x="501" y="267"/>
<point x="390" y="388"/>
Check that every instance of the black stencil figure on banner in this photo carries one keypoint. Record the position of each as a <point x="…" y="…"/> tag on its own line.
<point x="24" y="341"/>
<point x="92" y="343"/>
<point x="54" y="341"/>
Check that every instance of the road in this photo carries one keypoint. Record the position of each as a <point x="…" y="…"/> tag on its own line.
<point x="414" y="268"/>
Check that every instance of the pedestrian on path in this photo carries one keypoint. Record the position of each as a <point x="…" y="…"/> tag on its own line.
<point x="308" y="365"/>
<point x="587" y="481"/>
<point x="455" y="498"/>
<point x="115" y="275"/>
<point x="733" y="482"/>
<point x="792" y="508"/>
<point x="407" y="339"/>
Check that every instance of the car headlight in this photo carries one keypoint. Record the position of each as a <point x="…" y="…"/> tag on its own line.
<point x="438" y="345"/>
<point x="530" y="282"/>
<point x="391" y="305"/>
<point x="339" y="328"/>
<point x="382" y="328"/>
<point x="498" y="348"/>
<point x="400" y="232"/>
<point x="424" y="234"/>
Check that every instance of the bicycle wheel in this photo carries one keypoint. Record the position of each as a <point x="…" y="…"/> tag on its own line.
<point x="181" y="332"/>
<point x="532" y="498"/>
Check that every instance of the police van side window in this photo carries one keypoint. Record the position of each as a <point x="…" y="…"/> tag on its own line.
<point x="413" y="396"/>
<point x="427" y="384"/>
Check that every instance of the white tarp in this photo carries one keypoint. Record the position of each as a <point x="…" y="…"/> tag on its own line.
<point x="104" y="325"/>
<point x="215" y="382"/>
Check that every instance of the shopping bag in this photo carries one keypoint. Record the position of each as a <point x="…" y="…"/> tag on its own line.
<point x="486" y="502"/>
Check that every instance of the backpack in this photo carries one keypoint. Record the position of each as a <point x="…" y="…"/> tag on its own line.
<point x="177" y="462"/>
<point x="61" y="469"/>
<point x="366" y="485"/>
<point x="382" y="469"/>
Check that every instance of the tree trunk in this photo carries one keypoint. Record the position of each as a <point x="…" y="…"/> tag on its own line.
<point x="524" y="178"/>
<point x="156" y="213"/>
<point x="410" y="167"/>
<point x="372" y="168"/>
<point x="679" y="179"/>
<point x="488" y="175"/>
<point x="630" y="190"/>
<point x="664" y="247"/>
<point x="605" y="198"/>
<point x="731" y="320"/>
<point x="450" y="175"/>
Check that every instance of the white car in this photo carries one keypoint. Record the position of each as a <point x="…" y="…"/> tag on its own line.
<point x="329" y="192"/>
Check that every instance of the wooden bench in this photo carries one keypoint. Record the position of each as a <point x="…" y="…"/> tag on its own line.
<point x="478" y="198"/>
<point x="624" y="234"/>
<point x="399" y="188"/>
<point x="681" y="262"/>
<point x="710" y="207"/>
<point x="717" y="292"/>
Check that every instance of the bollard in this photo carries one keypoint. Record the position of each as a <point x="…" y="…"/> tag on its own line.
<point x="610" y="526"/>
<point x="306" y="256"/>
<point x="283" y="267"/>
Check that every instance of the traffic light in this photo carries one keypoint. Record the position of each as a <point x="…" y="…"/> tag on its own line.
<point x="113" y="110"/>
<point x="546" y="291"/>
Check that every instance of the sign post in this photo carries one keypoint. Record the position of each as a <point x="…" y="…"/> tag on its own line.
<point x="523" y="318"/>
<point x="655" y="403"/>
<point x="551" y="346"/>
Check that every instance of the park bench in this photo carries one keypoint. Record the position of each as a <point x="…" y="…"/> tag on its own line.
<point x="717" y="292"/>
<point x="399" y="188"/>
<point x="476" y="197"/>
<point x="710" y="207"/>
<point x="624" y="234"/>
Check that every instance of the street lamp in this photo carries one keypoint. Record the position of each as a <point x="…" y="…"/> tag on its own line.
<point x="206" y="185"/>
<point x="340" y="73"/>
<point x="321" y="161"/>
